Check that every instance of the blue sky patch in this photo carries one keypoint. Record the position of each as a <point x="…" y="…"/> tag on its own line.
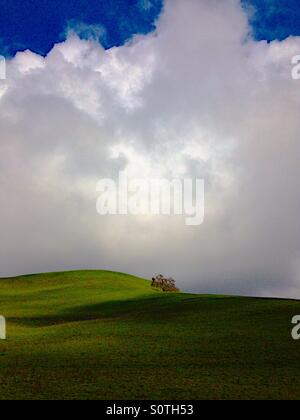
<point x="275" y="19"/>
<point x="38" y="25"/>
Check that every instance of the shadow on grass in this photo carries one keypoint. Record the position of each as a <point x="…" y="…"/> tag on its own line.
<point x="164" y="308"/>
<point x="146" y="308"/>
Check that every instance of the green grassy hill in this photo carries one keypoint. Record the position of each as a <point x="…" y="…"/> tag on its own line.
<point x="102" y="335"/>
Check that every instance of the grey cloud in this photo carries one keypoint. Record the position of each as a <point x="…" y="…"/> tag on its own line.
<point x="199" y="97"/>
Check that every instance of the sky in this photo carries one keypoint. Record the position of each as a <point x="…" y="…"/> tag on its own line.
<point x="183" y="88"/>
<point x="38" y="25"/>
<point x="28" y="24"/>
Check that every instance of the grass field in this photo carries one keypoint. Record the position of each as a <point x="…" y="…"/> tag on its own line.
<point x="102" y="335"/>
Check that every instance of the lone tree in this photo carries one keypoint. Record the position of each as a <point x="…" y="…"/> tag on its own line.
<point x="164" y="284"/>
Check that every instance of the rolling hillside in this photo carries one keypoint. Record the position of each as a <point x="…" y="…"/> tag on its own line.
<point x="103" y="335"/>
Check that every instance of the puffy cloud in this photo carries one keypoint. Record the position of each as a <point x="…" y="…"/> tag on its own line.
<point x="197" y="98"/>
